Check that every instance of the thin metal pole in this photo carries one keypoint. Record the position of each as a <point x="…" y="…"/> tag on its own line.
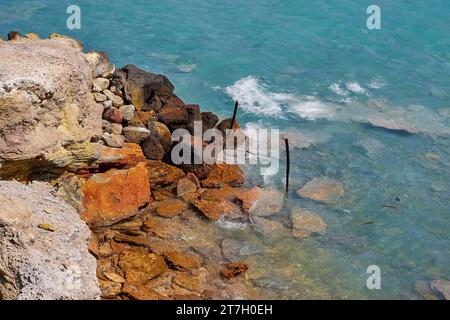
<point x="288" y="164"/>
<point x="236" y="104"/>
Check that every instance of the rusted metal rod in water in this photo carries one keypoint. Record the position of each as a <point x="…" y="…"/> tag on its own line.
<point x="236" y="104"/>
<point x="288" y="163"/>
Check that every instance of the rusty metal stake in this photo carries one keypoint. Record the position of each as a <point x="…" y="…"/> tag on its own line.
<point x="236" y="104"/>
<point x="288" y="163"/>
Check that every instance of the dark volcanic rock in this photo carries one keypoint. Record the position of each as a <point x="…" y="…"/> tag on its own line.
<point x="14" y="35"/>
<point x="113" y="115"/>
<point x="225" y="124"/>
<point x="209" y="120"/>
<point x="175" y="116"/>
<point x="159" y="143"/>
<point x="141" y="88"/>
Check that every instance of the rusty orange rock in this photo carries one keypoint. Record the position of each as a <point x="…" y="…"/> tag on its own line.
<point x="217" y="203"/>
<point x="162" y="174"/>
<point x="183" y="261"/>
<point x="141" y="266"/>
<point x="128" y="156"/>
<point x="141" y="292"/>
<point x="234" y="269"/>
<point x="224" y="174"/>
<point x="171" y="208"/>
<point x="115" y="195"/>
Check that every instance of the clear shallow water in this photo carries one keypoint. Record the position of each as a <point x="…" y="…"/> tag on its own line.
<point x="309" y="67"/>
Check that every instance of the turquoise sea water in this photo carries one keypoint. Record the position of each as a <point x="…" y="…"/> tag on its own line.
<point x="309" y="67"/>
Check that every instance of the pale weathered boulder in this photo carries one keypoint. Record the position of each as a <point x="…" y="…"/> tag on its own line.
<point x="127" y="112"/>
<point x="46" y="105"/>
<point x="100" y="84"/>
<point x="36" y="262"/>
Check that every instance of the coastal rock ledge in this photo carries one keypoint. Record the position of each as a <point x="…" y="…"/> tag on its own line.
<point x="49" y="115"/>
<point x="43" y="246"/>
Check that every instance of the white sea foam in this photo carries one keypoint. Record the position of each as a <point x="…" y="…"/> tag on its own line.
<point x="186" y="68"/>
<point x="336" y="88"/>
<point x="254" y="97"/>
<point x="355" y="87"/>
<point x="376" y="83"/>
<point x="257" y="98"/>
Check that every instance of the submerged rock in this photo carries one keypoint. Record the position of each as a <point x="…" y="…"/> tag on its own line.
<point x="268" y="228"/>
<point x="38" y="264"/>
<point x="305" y="223"/>
<point x="260" y="201"/>
<point x="445" y="112"/>
<point x="391" y="124"/>
<point x="217" y="203"/>
<point x="323" y="189"/>
<point x="231" y="249"/>
<point x="234" y="269"/>
<point x="424" y="290"/>
<point x="441" y="287"/>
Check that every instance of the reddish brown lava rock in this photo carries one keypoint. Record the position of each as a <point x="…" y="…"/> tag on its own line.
<point x="188" y="187"/>
<point x="113" y="115"/>
<point x="195" y="283"/>
<point x="215" y="203"/>
<point x="115" y="195"/>
<point x="182" y="261"/>
<point x="224" y="174"/>
<point x="141" y="266"/>
<point x="163" y="194"/>
<point x="171" y="208"/>
<point x="234" y="269"/>
<point x="160" y="173"/>
<point x="134" y="240"/>
<point x="249" y="197"/>
<point x="128" y="156"/>
<point x="109" y="289"/>
<point x="161" y="227"/>
<point x="260" y="201"/>
<point x="141" y="292"/>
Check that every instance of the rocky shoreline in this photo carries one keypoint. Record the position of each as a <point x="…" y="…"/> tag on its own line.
<point x="101" y="139"/>
<point x="80" y="138"/>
